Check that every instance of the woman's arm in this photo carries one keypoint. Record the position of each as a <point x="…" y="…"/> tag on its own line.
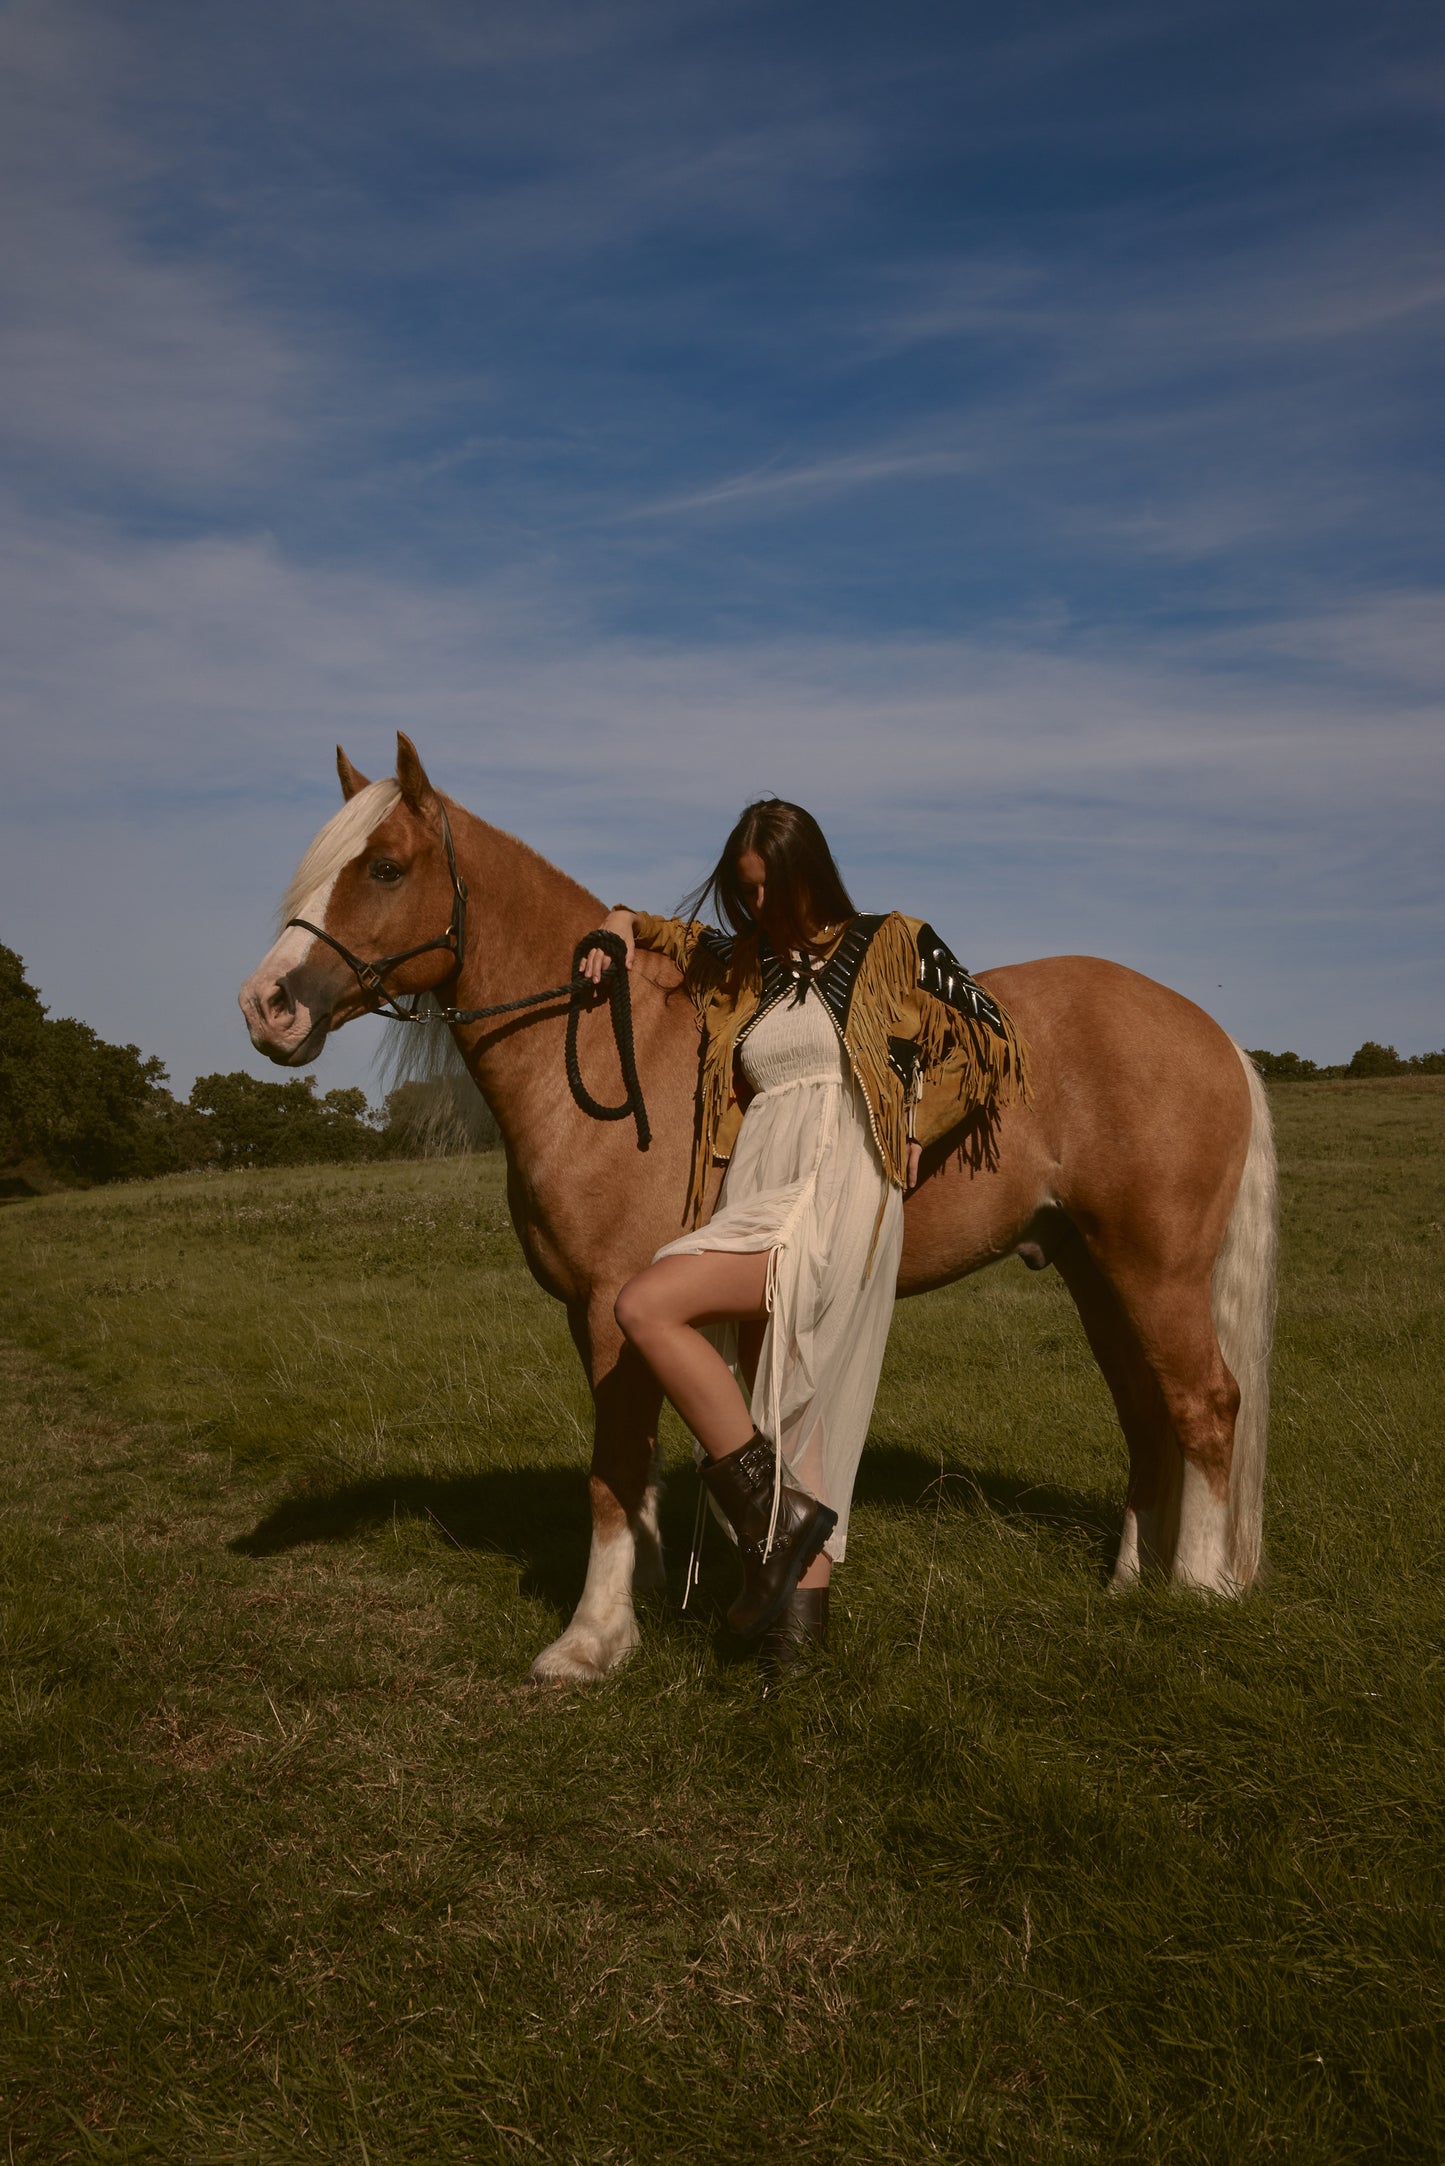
<point x="699" y="953"/>
<point x="676" y="938"/>
<point x="624" y="924"/>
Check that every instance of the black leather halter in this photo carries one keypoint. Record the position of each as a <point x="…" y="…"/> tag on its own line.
<point x="371" y="977"/>
<point x="578" y="992"/>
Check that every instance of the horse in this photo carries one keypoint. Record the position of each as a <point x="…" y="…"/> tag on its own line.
<point x="1141" y="1168"/>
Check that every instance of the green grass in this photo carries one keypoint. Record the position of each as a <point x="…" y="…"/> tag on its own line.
<point x="297" y="1867"/>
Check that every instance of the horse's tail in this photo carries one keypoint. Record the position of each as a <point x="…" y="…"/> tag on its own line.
<point x="1243" y="1305"/>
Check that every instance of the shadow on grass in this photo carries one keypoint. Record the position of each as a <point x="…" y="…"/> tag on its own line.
<point x="896" y="1476"/>
<point x="535" y="1516"/>
<point x="538" y="1516"/>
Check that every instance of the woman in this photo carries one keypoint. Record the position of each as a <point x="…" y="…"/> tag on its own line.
<point x="820" y="1029"/>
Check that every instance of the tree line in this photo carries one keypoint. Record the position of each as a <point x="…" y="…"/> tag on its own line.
<point x="88" y="1111"/>
<point x="1369" y="1060"/>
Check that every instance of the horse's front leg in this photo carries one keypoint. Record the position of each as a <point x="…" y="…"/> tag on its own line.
<point x="626" y="1549"/>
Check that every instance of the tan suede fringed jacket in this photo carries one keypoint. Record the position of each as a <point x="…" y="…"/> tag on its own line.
<point x="925" y="1043"/>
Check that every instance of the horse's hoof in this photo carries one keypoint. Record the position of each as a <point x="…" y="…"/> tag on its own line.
<point x="581" y="1659"/>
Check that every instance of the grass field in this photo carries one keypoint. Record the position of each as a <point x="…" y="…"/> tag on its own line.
<point x="297" y="1868"/>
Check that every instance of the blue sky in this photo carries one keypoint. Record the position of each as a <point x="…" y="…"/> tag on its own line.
<point x="1014" y="432"/>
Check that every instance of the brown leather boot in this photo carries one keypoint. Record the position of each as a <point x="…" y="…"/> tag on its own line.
<point x="798" y="1634"/>
<point x="742" y="1488"/>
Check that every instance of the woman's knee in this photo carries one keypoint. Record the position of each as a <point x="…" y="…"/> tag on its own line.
<point x="633" y="1309"/>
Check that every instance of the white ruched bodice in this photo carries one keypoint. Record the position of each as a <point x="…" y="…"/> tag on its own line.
<point x="792" y="1044"/>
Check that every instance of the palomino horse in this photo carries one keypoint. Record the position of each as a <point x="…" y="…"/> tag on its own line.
<point x="1142" y="1170"/>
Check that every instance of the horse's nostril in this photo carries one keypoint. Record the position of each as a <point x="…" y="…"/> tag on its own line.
<point x="280" y="1007"/>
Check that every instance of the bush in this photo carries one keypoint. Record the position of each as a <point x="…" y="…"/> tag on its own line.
<point x="1372" y="1059"/>
<point x="89" y="1110"/>
<point x="97" y="1112"/>
<point x="1287" y="1067"/>
<point x="1369" y="1059"/>
<point x="248" y="1123"/>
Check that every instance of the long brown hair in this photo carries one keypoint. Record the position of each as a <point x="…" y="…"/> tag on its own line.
<point x="803" y="885"/>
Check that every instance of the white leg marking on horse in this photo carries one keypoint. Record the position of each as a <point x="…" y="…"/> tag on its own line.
<point x="1126" y="1565"/>
<point x="1201" y="1555"/>
<point x="649" y="1572"/>
<point x="603" y="1631"/>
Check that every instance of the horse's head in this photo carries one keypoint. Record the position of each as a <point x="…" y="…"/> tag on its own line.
<point x="377" y="882"/>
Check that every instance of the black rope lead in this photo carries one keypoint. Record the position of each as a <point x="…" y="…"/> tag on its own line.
<point x="580" y="993"/>
<point x="619" y="994"/>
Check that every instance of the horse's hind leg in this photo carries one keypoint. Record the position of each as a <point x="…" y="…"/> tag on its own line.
<point x="1170" y="1317"/>
<point x="1151" y="1511"/>
<point x="626" y="1551"/>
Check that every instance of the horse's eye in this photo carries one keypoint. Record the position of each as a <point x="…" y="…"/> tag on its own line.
<point x="386" y="870"/>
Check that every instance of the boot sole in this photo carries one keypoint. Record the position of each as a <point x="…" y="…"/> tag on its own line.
<point x="824" y="1522"/>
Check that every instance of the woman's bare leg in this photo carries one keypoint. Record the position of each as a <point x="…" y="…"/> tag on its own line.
<point x="660" y="1310"/>
<point x="750" y="1348"/>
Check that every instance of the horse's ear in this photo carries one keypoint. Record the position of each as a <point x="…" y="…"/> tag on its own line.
<point x="352" y="779"/>
<point x="416" y="790"/>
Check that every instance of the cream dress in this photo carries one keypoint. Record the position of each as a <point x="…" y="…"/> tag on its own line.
<point x="806" y="1183"/>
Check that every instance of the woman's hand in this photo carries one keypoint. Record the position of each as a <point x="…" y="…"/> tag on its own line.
<point x="915" y="1154"/>
<point x="622" y="922"/>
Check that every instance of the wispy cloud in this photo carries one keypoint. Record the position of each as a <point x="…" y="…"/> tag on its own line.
<point x="984" y="431"/>
<point x="121" y="362"/>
